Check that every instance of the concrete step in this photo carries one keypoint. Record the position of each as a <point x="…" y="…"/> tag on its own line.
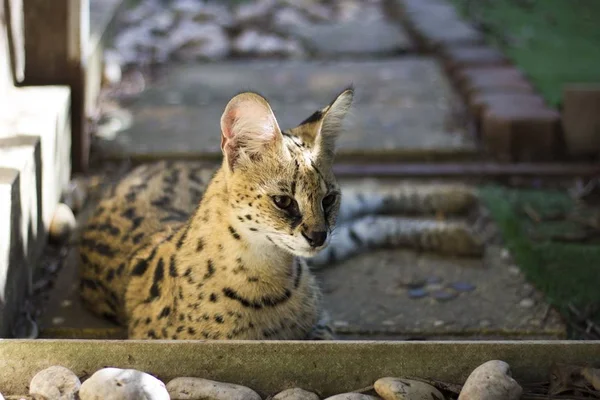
<point x="35" y="139"/>
<point x="404" y="108"/>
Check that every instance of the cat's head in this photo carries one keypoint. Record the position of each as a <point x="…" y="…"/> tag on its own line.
<point x="280" y="184"/>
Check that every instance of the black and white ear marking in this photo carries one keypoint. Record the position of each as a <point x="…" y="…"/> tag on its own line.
<point x="248" y="128"/>
<point x="332" y="123"/>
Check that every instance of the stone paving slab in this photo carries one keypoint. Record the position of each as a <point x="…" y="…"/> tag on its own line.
<point x="437" y="23"/>
<point x="401" y="105"/>
<point x="372" y="35"/>
<point x="366" y="296"/>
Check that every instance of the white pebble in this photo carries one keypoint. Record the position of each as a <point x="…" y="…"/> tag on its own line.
<point x="526" y="303"/>
<point x="295" y="394"/>
<point x="406" y="389"/>
<point x="191" y="40"/>
<point x="56" y="383"/>
<point x="63" y="223"/>
<point x="111" y="73"/>
<point x="491" y="381"/>
<point x="198" y="388"/>
<point x="253" y="10"/>
<point x="122" y="384"/>
<point x="351" y="396"/>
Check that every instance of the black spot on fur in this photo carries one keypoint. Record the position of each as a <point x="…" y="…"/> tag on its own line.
<point x="142" y="265"/>
<point x="200" y="245"/>
<point x="138" y="238"/>
<point x="213" y="297"/>
<point x="265" y="301"/>
<point x="210" y="269"/>
<point x="233" y="232"/>
<point x="354" y="237"/>
<point x="314" y="117"/>
<point x="219" y="318"/>
<point x="183" y="236"/>
<point x="110" y="275"/>
<point x="90" y="284"/>
<point x="159" y="275"/>
<point x="172" y="266"/>
<point x="97" y="247"/>
<point x="298" y="274"/>
<point x="120" y="269"/>
<point x="164" y="313"/>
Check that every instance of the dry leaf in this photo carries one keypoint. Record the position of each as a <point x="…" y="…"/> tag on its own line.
<point x="592" y="375"/>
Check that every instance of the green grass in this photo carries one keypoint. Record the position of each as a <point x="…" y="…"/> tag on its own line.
<point x="554" y="42"/>
<point x="567" y="273"/>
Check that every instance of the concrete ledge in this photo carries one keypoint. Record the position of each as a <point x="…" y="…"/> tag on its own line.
<point x="44" y="112"/>
<point x="23" y="154"/>
<point x="14" y="277"/>
<point x="35" y="157"/>
<point x="267" y="367"/>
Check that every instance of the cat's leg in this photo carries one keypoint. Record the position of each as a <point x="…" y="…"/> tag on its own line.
<point x="323" y="328"/>
<point x="367" y="198"/>
<point x="372" y="232"/>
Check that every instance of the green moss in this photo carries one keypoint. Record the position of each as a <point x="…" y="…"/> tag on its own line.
<point x="566" y="272"/>
<point x="555" y="42"/>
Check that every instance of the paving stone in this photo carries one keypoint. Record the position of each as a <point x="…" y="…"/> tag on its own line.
<point x="373" y="36"/>
<point x="457" y="57"/>
<point x="480" y="102"/>
<point x="472" y="81"/>
<point x="519" y="133"/>
<point x="581" y="118"/>
<point x="462" y="286"/>
<point x="437" y="22"/>
<point x="401" y="106"/>
<point x="367" y="296"/>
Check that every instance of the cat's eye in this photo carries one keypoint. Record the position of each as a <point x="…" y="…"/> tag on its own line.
<point x="329" y="200"/>
<point x="283" y="202"/>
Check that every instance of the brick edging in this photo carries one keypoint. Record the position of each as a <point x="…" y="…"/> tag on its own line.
<point x="513" y="122"/>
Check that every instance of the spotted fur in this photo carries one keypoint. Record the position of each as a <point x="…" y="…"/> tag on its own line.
<point x="181" y="251"/>
<point x="376" y="216"/>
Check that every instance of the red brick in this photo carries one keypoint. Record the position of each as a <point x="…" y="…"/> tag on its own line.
<point x="514" y="132"/>
<point x="581" y="118"/>
<point x="459" y="57"/>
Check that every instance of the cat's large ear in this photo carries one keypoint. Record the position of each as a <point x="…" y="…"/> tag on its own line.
<point x="322" y="128"/>
<point x="248" y="128"/>
<point x="332" y="123"/>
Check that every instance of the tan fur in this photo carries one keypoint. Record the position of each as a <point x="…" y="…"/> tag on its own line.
<point x="229" y="268"/>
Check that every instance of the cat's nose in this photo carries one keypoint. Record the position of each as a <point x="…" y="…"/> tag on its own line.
<point x="315" y="238"/>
